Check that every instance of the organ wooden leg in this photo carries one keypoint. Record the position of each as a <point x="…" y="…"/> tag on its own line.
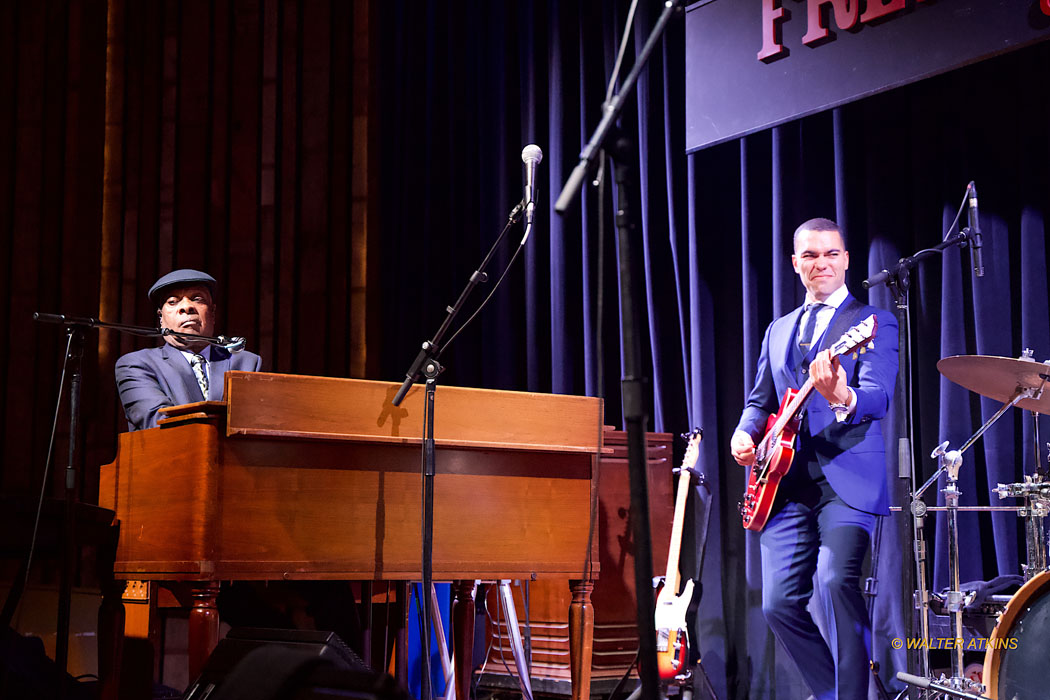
<point x="204" y="625"/>
<point x="463" y="636"/>
<point x="110" y="638"/>
<point x="581" y="638"/>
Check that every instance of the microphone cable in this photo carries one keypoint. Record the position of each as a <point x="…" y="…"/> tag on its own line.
<point x="484" y="301"/>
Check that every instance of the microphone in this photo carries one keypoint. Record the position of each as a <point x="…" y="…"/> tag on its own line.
<point x="974" y="224"/>
<point x="531" y="155"/>
<point x="876" y="279"/>
<point x="234" y="344"/>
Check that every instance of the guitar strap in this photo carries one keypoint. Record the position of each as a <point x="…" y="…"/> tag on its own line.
<point x="842" y="321"/>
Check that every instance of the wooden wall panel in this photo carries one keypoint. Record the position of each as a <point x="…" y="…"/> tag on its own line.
<point x="239" y="278"/>
<point x="341" y="202"/>
<point x="215" y="134"/>
<point x="8" y="109"/>
<point x="268" y="195"/>
<point x="26" y="252"/>
<point x="314" y="180"/>
<point x="51" y="92"/>
<point x="287" y="198"/>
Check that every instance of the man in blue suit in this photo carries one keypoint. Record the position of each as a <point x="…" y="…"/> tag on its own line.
<point x="825" y="510"/>
<point x="179" y="371"/>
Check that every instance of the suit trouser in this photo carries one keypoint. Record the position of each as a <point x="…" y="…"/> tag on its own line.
<point x="831" y="539"/>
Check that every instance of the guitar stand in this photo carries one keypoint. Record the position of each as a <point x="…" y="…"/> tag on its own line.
<point x="685" y="683"/>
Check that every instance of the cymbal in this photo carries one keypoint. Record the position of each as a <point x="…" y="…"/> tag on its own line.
<point x="999" y="378"/>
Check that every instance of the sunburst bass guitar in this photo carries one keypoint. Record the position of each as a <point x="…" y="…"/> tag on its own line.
<point x="672" y="633"/>
<point x="773" y="455"/>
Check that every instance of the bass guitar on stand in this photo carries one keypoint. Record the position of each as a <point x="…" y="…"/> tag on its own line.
<point x="672" y="633"/>
<point x="774" y="453"/>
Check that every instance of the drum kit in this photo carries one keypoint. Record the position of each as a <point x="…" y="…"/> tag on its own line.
<point x="1016" y="655"/>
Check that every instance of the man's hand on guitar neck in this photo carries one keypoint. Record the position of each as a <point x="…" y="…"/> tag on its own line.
<point x="830" y="379"/>
<point x="742" y="447"/>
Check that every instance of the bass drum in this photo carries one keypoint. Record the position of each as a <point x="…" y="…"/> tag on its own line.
<point x="1015" y="664"/>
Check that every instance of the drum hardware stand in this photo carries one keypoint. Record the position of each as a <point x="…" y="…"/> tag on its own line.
<point x="1035" y="490"/>
<point x="927" y="684"/>
<point x="950" y="463"/>
<point x="1036" y="495"/>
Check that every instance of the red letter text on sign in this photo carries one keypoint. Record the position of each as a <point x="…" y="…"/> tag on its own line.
<point x="880" y="8"/>
<point x="772" y="14"/>
<point x="845" y="18"/>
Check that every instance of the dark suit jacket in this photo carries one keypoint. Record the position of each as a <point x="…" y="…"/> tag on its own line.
<point x="153" y="378"/>
<point x="851" y="454"/>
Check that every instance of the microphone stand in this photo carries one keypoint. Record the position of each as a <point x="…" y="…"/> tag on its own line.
<point x="73" y="360"/>
<point x="633" y="382"/>
<point x="233" y="344"/>
<point x="426" y="365"/>
<point x="898" y="280"/>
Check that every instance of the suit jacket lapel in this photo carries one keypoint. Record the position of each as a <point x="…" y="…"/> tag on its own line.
<point x="845" y="316"/>
<point x="783" y="346"/>
<point x="182" y="375"/>
<point x="220" y="364"/>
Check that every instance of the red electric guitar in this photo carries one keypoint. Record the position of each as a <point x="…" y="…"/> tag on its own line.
<point x="672" y="634"/>
<point x="774" y="453"/>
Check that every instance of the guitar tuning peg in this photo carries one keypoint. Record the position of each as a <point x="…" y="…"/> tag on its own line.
<point x="854" y="354"/>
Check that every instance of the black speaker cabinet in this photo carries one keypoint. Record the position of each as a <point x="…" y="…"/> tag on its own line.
<point x="275" y="664"/>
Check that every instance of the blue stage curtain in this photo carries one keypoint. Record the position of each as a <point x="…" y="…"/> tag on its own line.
<point x="463" y="87"/>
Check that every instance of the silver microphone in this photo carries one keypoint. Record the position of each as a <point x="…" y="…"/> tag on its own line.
<point x="531" y="155"/>
<point x="234" y="344"/>
<point x="976" y="259"/>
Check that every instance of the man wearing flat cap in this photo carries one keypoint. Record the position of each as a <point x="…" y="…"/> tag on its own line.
<point x="180" y="371"/>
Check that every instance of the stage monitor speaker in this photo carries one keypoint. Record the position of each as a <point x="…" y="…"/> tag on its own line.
<point x="27" y="673"/>
<point x="275" y="664"/>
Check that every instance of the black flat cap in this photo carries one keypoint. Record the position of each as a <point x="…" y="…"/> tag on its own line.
<point x="180" y="278"/>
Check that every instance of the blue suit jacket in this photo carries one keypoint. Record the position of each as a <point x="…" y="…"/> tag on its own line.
<point x="151" y="379"/>
<point x="852" y="453"/>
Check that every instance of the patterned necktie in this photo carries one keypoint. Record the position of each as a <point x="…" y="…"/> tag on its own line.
<point x="198" y="363"/>
<point x="808" y="327"/>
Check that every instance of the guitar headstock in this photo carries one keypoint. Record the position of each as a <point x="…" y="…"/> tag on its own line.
<point x="856" y="337"/>
<point x="692" y="449"/>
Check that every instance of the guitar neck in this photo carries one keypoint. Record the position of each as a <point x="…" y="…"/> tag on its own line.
<point x="671" y="578"/>
<point x="856" y="338"/>
<point x="793" y="407"/>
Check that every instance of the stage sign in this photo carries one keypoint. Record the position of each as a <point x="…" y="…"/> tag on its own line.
<point x="753" y="64"/>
